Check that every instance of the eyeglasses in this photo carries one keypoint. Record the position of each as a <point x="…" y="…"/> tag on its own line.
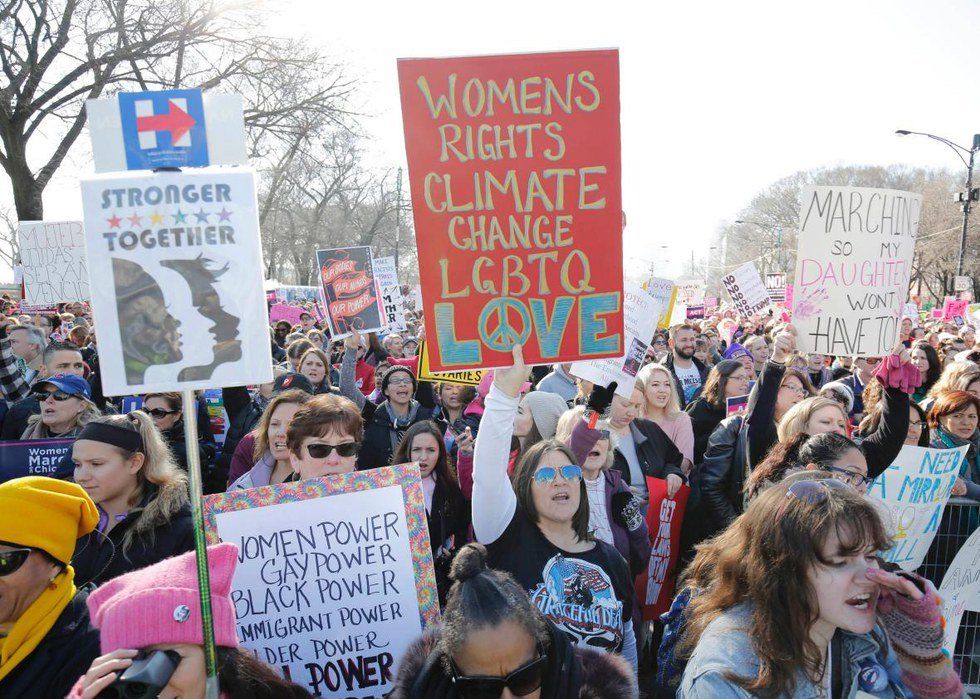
<point x="916" y="424"/>
<point x="399" y="381"/>
<point x="57" y="395"/>
<point x="11" y="561"/>
<point x="853" y="477"/>
<point x="520" y="682"/>
<point x="792" y="388"/>
<point x="322" y="451"/>
<point x="548" y="474"/>
<point x="160" y="413"/>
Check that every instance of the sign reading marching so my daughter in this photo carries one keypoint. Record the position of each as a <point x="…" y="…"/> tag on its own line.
<point x="335" y="576"/>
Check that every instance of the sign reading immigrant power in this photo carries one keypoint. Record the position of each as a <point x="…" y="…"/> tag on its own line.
<point x="176" y="272"/>
<point x="514" y="164"/>
<point x="852" y="268"/>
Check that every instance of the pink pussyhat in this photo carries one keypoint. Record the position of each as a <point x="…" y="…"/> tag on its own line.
<point x="160" y="604"/>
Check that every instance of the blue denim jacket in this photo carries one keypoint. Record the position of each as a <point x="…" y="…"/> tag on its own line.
<point x="725" y="646"/>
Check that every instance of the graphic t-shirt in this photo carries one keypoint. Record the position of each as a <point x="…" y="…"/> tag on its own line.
<point x="690" y="379"/>
<point x="587" y="595"/>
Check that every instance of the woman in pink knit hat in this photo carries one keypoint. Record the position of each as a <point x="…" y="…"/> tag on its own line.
<point x="158" y="608"/>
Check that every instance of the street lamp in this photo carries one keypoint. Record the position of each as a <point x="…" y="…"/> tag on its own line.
<point x="971" y="194"/>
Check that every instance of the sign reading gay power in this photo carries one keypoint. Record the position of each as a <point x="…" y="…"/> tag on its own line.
<point x="176" y="270"/>
<point x="335" y="575"/>
<point x="914" y="490"/>
<point x="53" y="257"/>
<point x="852" y="268"/>
<point x="514" y="164"/>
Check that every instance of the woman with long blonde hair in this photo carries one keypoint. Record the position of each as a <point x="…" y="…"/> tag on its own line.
<point x="664" y="408"/>
<point x="125" y="466"/>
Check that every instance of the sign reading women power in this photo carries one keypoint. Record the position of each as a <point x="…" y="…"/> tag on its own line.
<point x="335" y="576"/>
<point x="914" y="491"/>
<point x="350" y="291"/>
<point x="515" y="178"/>
<point x="53" y="257"/>
<point x="852" y="268"/>
<point x="176" y="270"/>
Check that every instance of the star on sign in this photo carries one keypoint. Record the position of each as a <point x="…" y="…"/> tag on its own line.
<point x="114" y="221"/>
<point x="201" y="216"/>
<point x="179" y="217"/>
<point x="156" y="218"/>
<point x="135" y="219"/>
<point x="224" y="215"/>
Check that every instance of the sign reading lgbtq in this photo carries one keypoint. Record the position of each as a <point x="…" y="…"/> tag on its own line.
<point x="515" y="174"/>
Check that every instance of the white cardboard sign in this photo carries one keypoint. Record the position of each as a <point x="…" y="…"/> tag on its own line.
<point x="54" y="264"/>
<point x="852" y="268"/>
<point x="748" y="292"/>
<point x="960" y="588"/>
<point x="392" y="302"/>
<point x="176" y="270"/>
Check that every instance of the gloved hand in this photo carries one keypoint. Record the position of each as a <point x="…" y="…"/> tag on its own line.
<point x="601" y="398"/>
<point x="626" y="511"/>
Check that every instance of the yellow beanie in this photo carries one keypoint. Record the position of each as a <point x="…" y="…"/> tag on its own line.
<point x="46" y="514"/>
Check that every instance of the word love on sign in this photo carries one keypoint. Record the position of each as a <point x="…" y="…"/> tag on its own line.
<point x="853" y="265"/>
<point x="514" y="164"/>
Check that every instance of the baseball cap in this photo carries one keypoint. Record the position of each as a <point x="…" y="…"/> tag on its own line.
<point x="68" y="383"/>
<point x="290" y="381"/>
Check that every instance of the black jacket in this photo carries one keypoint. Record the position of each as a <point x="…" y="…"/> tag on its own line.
<point x="99" y="558"/>
<point x="721" y="477"/>
<point x="704" y="419"/>
<point x="64" y="655"/>
<point x="702" y="370"/>
<point x="655" y="451"/>
<point x="206" y="446"/>
<point x="244" y="414"/>
<point x="381" y="436"/>
<point x="450" y="517"/>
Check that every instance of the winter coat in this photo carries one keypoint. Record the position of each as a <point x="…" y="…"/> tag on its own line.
<point x="719" y="480"/>
<point x="100" y="557"/>
<point x="573" y="671"/>
<point x="449" y="528"/>
<point x="381" y="436"/>
<point x="206" y="446"/>
<point x="64" y="654"/>
<point x="244" y="413"/>
<point x="704" y="419"/>
<point x="657" y="455"/>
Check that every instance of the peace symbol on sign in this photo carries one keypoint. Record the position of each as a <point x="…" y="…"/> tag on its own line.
<point x="495" y="327"/>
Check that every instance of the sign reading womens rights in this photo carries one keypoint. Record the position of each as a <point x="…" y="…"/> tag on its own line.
<point x="334" y="578"/>
<point x="914" y="491"/>
<point x="641" y="322"/>
<point x="350" y="290"/>
<point x="852" y="268"/>
<point x="176" y="269"/>
<point x="53" y="258"/>
<point x="748" y="292"/>
<point x="514" y="164"/>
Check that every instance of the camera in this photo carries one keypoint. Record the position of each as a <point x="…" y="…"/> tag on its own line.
<point x="146" y="677"/>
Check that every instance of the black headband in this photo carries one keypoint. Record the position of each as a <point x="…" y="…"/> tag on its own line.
<point x="122" y="437"/>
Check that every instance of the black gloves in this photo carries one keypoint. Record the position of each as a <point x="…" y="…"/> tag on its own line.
<point x="601" y="398"/>
<point x="626" y="511"/>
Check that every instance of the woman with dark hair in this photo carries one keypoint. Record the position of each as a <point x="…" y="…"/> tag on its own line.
<point x="954" y="420"/>
<point x="926" y="360"/>
<point x="827" y="451"/>
<point x="166" y="410"/>
<point x="727" y="379"/>
<point x="790" y="601"/>
<point x="537" y="527"/>
<point x="447" y="511"/>
<point x="493" y="639"/>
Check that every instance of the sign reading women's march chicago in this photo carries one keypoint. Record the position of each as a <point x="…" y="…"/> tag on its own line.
<point x="350" y="291"/>
<point x="515" y="177"/>
<point x="335" y="576"/>
<point x="176" y="270"/>
<point x="914" y="491"/>
<point x="852" y="268"/>
<point x="53" y="257"/>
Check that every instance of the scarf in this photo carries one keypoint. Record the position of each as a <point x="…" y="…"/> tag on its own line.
<point x="400" y="424"/>
<point x="945" y="440"/>
<point x="28" y="631"/>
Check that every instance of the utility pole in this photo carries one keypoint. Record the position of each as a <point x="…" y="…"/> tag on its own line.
<point x="398" y="215"/>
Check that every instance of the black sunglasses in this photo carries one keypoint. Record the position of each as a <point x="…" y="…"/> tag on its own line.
<point x="322" y="451"/>
<point x="11" y="561"/>
<point x="57" y="395"/>
<point x="520" y="682"/>
<point x="161" y="413"/>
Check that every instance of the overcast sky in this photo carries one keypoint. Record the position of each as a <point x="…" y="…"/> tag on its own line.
<point x="719" y="99"/>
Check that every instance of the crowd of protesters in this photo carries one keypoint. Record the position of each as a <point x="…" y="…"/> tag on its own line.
<point x="535" y="488"/>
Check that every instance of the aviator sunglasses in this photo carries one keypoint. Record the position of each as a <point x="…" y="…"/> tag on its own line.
<point x="548" y="474"/>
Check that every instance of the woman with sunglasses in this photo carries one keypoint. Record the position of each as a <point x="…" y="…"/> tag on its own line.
<point x="324" y="437"/>
<point x="271" y="454"/>
<point x="536" y="527"/>
<point x="166" y="410"/>
<point x="66" y="407"/>
<point x="493" y="642"/>
<point x="123" y="464"/>
<point x="790" y="602"/>
<point x="46" y="639"/>
<point x="447" y="511"/>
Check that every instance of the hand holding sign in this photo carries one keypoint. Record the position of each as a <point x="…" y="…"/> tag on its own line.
<point x="512" y="378"/>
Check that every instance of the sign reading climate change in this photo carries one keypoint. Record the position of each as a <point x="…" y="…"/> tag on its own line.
<point x="177" y="291"/>
<point x="852" y="268"/>
<point x="515" y="177"/>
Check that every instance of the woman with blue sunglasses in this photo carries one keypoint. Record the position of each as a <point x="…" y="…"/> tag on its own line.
<point x="536" y="527"/>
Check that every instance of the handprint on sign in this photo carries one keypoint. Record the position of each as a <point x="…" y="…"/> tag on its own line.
<point x="811" y="304"/>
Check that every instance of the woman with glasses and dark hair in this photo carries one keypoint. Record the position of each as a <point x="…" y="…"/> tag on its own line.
<point x="324" y="437"/>
<point x="536" y="527"/>
<point x="493" y="639"/>
<point x="790" y="601"/>
<point x="166" y="410"/>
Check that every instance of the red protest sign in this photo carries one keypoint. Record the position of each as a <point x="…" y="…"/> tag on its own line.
<point x="352" y="299"/>
<point x="514" y="164"/>
<point x="655" y="585"/>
